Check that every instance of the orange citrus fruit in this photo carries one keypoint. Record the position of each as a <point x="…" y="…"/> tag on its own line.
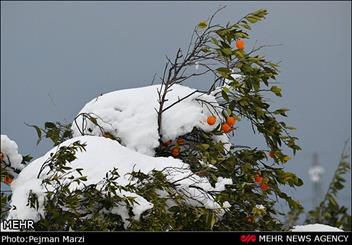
<point x="239" y="44"/>
<point x="258" y="179"/>
<point x="175" y="151"/>
<point x="211" y="120"/>
<point x="180" y="141"/>
<point x="226" y="128"/>
<point x="7" y="180"/>
<point x="264" y="187"/>
<point x="231" y="121"/>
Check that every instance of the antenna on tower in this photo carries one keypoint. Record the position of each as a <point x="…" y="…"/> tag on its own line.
<point x="315" y="173"/>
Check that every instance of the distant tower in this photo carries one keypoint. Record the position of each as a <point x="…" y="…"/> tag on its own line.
<point x="315" y="173"/>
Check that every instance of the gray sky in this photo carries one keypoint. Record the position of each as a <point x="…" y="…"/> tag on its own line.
<point x="74" y="51"/>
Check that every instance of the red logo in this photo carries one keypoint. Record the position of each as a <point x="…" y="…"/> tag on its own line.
<point x="248" y="238"/>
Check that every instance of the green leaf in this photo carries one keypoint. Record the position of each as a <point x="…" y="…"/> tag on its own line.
<point x="212" y="221"/>
<point x="243" y="102"/>
<point x="49" y="125"/>
<point x="259" y="112"/>
<point x="39" y="133"/>
<point x="331" y="199"/>
<point x="261" y="13"/>
<point x="246" y="26"/>
<point x="281" y="111"/>
<point x="256" y="85"/>
<point x="27" y="158"/>
<point x="214" y="41"/>
<point x="226" y="89"/>
<point x="251" y="19"/>
<point x="224" y="95"/>
<point x="276" y="90"/>
<point x="299" y="182"/>
<point x="204" y="146"/>
<point x="202" y="24"/>
<point x="227" y="51"/>
<point x="239" y="53"/>
<point x="83" y="178"/>
<point x="224" y="72"/>
<point x="241" y="35"/>
<point x="67" y="133"/>
<point x="65" y="167"/>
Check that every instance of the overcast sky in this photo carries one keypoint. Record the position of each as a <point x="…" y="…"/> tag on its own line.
<point x="56" y="56"/>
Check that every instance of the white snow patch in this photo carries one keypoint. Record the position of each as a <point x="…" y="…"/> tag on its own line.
<point x="12" y="158"/>
<point x="260" y="206"/>
<point x="226" y="204"/>
<point x="315" y="227"/>
<point x="130" y="115"/>
<point x="221" y="182"/>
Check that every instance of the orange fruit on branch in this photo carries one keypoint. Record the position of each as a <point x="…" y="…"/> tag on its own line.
<point x="258" y="179"/>
<point x="226" y="128"/>
<point x="231" y="121"/>
<point x="7" y="180"/>
<point x="211" y="120"/>
<point x="264" y="187"/>
<point x="175" y="152"/>
<point x="180" y="141"/>
<point x="239" y="44"/>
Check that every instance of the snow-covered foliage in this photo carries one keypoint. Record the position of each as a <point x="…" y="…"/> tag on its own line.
<point x="11" y="157"/>
<point x="315" y="227"/>
<point x="159" y="157"/>
<point x="102" y="155"/>
<point x="130" y="116"/>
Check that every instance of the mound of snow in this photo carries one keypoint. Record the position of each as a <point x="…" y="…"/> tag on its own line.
<point x="12" y="158"/>
<point x="101" y="156"/>
<point x="315" y="227"/>
<point x="131" y="116"/>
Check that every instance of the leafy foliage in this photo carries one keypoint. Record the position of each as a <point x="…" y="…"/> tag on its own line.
<point x="163" y="216"/>
<point x="56" y="132"/>
<point x="210" y="159"/>
<point x="4" y="199"/>
<point x="68" y="208"/>
<point x="243" y="97"/>
<point x="93" y="206"/>
<point x="329" y="211"/>
<point x="7" y="172"/>
<point x="251" y="203"/>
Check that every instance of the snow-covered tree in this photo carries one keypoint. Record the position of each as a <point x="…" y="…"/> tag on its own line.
<point x="160" y="157"/>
